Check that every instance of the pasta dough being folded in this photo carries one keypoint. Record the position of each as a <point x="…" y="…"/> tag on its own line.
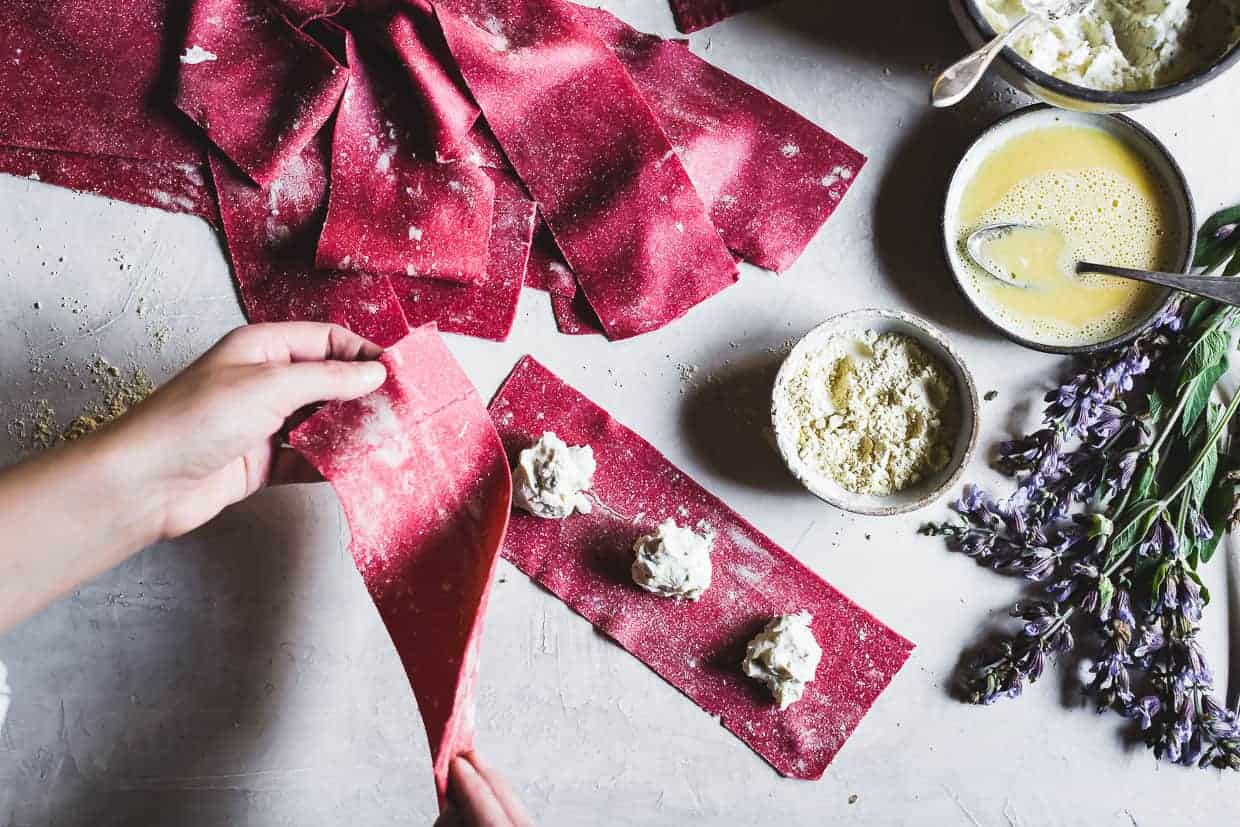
<point x="423" y="481"/>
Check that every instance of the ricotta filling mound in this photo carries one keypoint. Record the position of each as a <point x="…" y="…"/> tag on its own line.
<point x="673" y="562"/>
<point x="876" y="414"/>
<point x="1122" y="45"/>
<point x="551" y="478"/>
<point x="785" y="657"/>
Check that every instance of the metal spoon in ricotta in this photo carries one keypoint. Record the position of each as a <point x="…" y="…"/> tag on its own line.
<point x="1043" y="240"/>
<point x="959" y="79"/>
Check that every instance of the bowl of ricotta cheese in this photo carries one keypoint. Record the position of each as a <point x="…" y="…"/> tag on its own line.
<point x="875" y="412"/>
<point x="1116" y="55"/>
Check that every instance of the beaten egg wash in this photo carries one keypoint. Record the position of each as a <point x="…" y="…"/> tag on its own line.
<point x="1093" y="198"/>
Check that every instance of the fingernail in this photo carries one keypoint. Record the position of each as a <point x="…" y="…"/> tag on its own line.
<point x="374" y="372"/>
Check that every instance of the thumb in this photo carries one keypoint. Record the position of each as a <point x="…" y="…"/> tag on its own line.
<point x="304" y="383"/>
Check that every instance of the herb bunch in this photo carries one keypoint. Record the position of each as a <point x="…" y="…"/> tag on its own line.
<point x="1122" y="494"/>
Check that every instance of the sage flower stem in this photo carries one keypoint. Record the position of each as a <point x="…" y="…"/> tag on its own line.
<point x="1169" y="426"/>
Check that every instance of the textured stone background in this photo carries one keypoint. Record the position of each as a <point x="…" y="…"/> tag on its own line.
<point x="241" y="676"/>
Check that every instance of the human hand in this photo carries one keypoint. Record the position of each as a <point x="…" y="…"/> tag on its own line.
<point x="479" y="797"/>
<point x="210" y="436"/>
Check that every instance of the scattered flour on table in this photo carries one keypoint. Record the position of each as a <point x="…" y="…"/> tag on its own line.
<point x="874" y="413"/>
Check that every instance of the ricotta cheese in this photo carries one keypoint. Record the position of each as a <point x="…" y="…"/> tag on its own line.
<point x="1122" y="45"/>
<point x="551" y="478"/>
<point x="785" y="657"/>
<point x="673" y="562"/>
<point x="874" y="413"/>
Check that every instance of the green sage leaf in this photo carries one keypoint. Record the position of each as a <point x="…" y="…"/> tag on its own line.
<point x="1203" y="474"/>
<point x="1106" y="594"/>
<point x="1232" y="268"/>
<point x="1218" y="506"/>
<point x="1138" y="518"/>
<point x="1212" y="250"/>
<point x="1147" y="472"/>
<point x="1200" y="310"/>
<point x="1160" y="576"/>
<point x="1208" y="350"/>
<point x="1198" y="392"/>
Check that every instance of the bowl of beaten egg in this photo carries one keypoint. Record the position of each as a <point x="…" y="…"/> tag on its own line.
<point x="1106" y="190"/>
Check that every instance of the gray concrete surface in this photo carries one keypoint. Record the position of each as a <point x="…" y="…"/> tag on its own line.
<point x="241" y="676"/>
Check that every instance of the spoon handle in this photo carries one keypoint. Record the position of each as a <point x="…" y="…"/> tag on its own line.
<point x="1219" y="288"/>
<point x="959" y="79"/>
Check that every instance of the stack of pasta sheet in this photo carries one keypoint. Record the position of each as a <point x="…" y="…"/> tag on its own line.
<point x="387" y="165"/>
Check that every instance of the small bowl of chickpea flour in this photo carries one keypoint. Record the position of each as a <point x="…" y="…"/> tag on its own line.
<point x="875" y="413"/>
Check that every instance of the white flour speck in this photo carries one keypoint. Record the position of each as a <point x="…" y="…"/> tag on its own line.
<point x="384" y="162"/>
<point x="192" y="172"/>
<point x="273" y="196"/>
<point x="196" y="54"/>
<point x="499" y="41"/>
<point x="747" y="574"/>
<point x="415" y="233"/>
<point x="790" y="150"/>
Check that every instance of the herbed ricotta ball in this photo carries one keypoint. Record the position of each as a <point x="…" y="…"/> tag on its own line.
<point x="673" y="562"/>
<point x="551" y="478"/>
<point x="785" y="657"/>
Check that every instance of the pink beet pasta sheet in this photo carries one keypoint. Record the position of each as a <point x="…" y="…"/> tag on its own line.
<point x="447" y="111"/>
<point x="548" y="270"/>
<point x="588" y="148"/>
<point x="393" y="208"/>
<point x="487" y="310"/>
<point x="573" y="315"/>
<point x="692" y="15"/>
<point x="271" y="235"/>
<point x="167" y="185"/>
<point x="425" y="486"/>
<point x="697" y="647"/>
<point x="770" y="177"/>
<point x="301" y="12"/>
<point x="88" y="76"/>
<point x="258" y="87"/>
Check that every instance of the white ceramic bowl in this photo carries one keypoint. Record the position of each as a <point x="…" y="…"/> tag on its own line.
<point x="1040" y="116"/>
<point x="1025" y="76"/>
<point x="927" y="490"/>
